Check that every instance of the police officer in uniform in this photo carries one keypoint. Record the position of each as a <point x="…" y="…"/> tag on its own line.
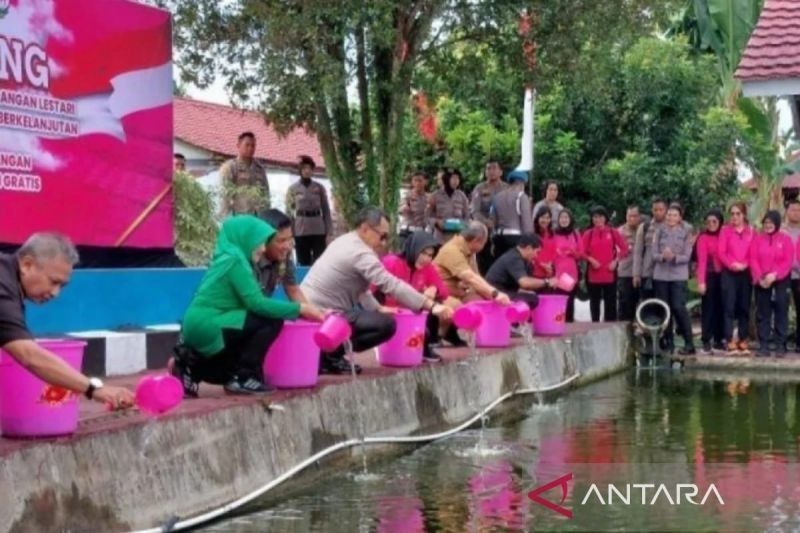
<point x="511" y="210"/>
<point x="412" y="209"/>
<point x="482" y="197"/>
<point x="245" y="190"/>
<point x="448" y="207"/>
<point x="307" y="200"/>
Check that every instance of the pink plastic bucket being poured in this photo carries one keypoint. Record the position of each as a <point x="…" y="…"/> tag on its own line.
<point x="405" y="348"/>
<point x="467" y="318"/>
<point x="549" y="317"/>
<point x="29" y="407"/>
<point x="332" y="333"/>
<point x="518" y="312"/>
<point x="566" y="282"/>
<point x="293" y="359"/>
<point x="156" y="395"/>
<point x="494" y="330"/>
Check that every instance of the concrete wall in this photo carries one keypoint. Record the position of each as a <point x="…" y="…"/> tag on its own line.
<point x="147" y="474"/>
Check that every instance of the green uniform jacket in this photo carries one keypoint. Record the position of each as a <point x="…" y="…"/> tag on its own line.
<point x="229" y="289"/>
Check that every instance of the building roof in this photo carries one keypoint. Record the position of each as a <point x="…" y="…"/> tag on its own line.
<point x="773" y="51"/>
<point x="215" y="128"/>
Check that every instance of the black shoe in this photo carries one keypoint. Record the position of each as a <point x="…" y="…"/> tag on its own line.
<point x="429" y="355"/>
<point x="247" y="386"/>
<point x="762" y="351"/>
<point x="687" y="350"/>
<point x="329" y="365"/>
<point x="453" y="338"/>
<point x="706" y="348"/>
<point x="719" y="346"/>
<point x="180" y="368"/>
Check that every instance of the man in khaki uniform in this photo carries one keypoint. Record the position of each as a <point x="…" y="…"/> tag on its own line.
<point x="307" y="202"/>
<point x="412" y="210"/>
<point x="245" y="190"/>
<point x="628" y="294"/>
<point x="482" y="197"/>
<point x="512" y="213"/>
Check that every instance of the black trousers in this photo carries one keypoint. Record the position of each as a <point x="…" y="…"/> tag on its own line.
<point x="712" y="311"/>
<point x="673" y="293"/>
<point x="503" y="243"/>
<point x="243" y="355"/>
<point x="796" y="297"/>
<point x="628" y="299"/>
<point x="309" y="248"/>
<point x="605" y="293"/>
<point x="486" y="257"/>
<point x="370" y="328"/>
<point x="773" y="304"/>
<point x="737" y="290"/>
<point x="647" y="290"/>
<point x="528" y="297"/>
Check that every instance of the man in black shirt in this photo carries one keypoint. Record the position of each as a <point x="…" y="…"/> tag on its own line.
<point x="38" y="272"/>
<point x="512" y="271"/>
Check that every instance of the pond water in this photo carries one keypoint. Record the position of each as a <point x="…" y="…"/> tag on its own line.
<point x="637" y="432"/>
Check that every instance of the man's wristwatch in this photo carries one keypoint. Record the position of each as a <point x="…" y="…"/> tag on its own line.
<point x="547" y="283"/>
<point x="495" y="293"/>
<point x="94" y="385"/>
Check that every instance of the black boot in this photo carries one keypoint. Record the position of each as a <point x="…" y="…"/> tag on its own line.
<point x="182" y="362"/>
<point x="336" y="365"/>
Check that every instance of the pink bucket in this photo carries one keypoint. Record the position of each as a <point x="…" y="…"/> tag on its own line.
<point x="292" y="361"/>
<point x="518" y="312"/>
<point x="495" y="329"/>
<point x="467" y="318"/>
<point x="549" y="317"/>
<point x="29" y="407"/>
<point x="156" y="395"/>
<point x="335" y="329"/>
<point x="566" y="282"/>
<point x="405" y="347"/>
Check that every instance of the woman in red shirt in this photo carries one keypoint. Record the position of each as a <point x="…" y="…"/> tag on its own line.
<point x="543" y="227"/>
<point x="604" y="247"/>
<point x="567" y="251"/>
<point x="414" y="266"/>
<point x="709" y="284"/>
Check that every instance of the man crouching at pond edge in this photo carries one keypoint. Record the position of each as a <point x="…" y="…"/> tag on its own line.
<point x="230" y="324"/>
<point x="341" y="278"/>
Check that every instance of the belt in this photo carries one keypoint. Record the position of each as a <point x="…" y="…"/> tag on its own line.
<point x="412" y="228"/>
<point x="315" y="213"/>
<point x="508" y="231"/>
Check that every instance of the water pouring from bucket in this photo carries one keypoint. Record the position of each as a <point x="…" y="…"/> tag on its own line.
<point x="333" y="331"/>
<point x="652" y="319"/>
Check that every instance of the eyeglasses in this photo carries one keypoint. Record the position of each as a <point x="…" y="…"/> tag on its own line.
<point x="384" y="236"/>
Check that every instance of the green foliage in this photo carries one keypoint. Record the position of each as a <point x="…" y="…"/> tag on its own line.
<point x="195" y="224"/>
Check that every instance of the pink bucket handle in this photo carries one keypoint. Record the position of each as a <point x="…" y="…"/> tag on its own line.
<point x="467" y="318"/>
<point x="566" y="282"/>
<point x="518" y="312"/>
<point x="156" y="395"/>
<point x="335" y="330"/>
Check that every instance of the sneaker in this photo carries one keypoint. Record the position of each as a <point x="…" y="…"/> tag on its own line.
<point x="178" y="367"/>
<point x="336" y="366"/>
<point x="718" y="346"/>
<point x="453" y="338"/>
<point x="706" y="350"/>
<point x="687" y="350"/>
<point x="429" y="355"/>
<point x="247" y="386"/>
<point x="762" y="351"/>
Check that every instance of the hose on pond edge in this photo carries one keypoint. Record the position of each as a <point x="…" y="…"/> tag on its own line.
<point x="175" y="524"/>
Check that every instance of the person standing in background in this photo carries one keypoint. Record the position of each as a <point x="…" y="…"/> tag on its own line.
<point x="245" y="190"/>
<point x="482" y="198"/>
<point x="735" y="239"/>
<point x="709" y="284"/>
<point x="792" y="227"/>
<point x="643" y="250"/>
<point x="550" y="200"/>
<point x="543" y="228"/>
<point x="413" y="207"/>
<point x="448" y="204"/>
<point x="568" y="246"/>
<point x="628" y="294"/>
<point x="178" y="162"/>
<point x="604" y="248"/>
<point x="511" y="211"/>
<point x="307" y="200"/>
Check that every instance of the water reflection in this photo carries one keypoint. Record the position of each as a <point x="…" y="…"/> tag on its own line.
<point x="741" y="435"/>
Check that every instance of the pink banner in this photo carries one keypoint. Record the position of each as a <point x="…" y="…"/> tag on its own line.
<point x="86" y="122"/>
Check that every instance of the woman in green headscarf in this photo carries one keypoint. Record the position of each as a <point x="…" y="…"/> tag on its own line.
<point x="230" y="324"/>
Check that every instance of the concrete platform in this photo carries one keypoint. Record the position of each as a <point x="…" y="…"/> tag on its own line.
<point x="787" y="363"/>
<point x="124" y="471"/>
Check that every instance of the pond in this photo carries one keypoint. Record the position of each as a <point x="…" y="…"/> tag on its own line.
<point x="627" y="451"/>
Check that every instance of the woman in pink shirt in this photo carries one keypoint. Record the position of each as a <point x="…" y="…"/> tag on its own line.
<point x="709" y="284"/>
<point x="737" y="286"/>
<point x="414" y="266"/>
<point x="604" y="247"/>
<point x="771" y="257"/>
<point x="543" y="227"/>
<point x="567" y="250"/>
